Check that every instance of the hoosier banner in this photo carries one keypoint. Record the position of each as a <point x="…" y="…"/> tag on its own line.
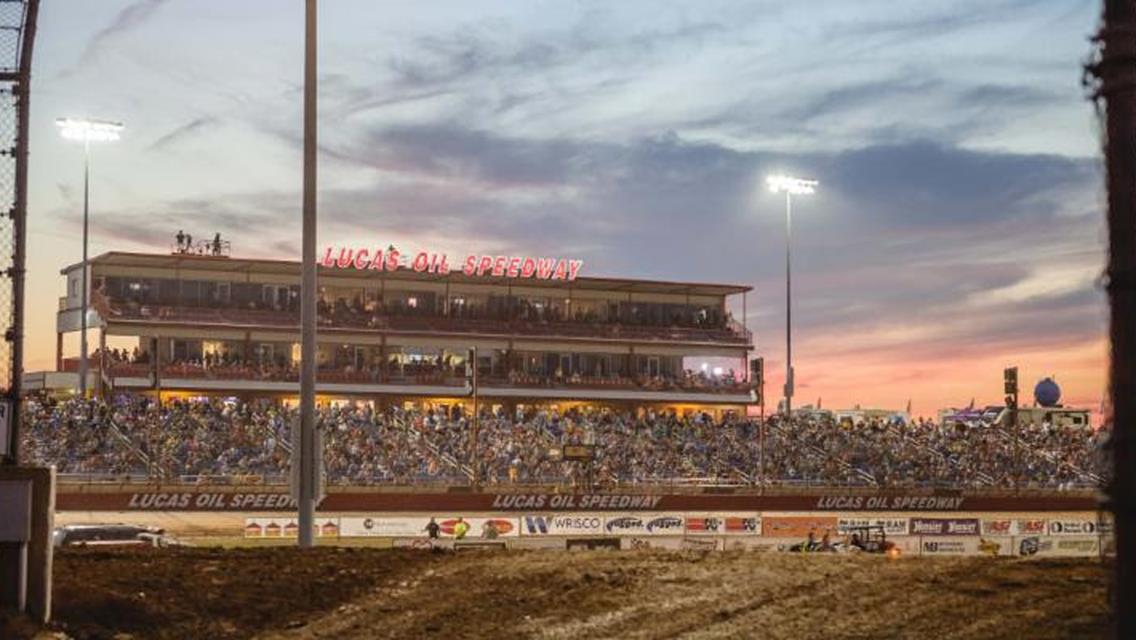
<point x="944" y="527"/>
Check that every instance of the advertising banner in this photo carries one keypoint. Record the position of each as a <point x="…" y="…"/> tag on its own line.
<point x="701" y="544"/>
<point x="1014" y="527"/>
<point x="798" y="526"/>
<point x="645" y="524"/>
<point x="425" y="544"/>
<point x="1078" y="527"/>
<point x="482" y="527"/>
<point x="892" y="526"/>
<point x="537" y="542"/>
<point x="635" y="543"/>
<point x="1057" y="546"/>
<point x="569" y="524"/>
<point x="287" y="527"/>
<point x="730" y="524"/>
<point x="965" y="546"/>
<point x="944" y="527"/>
<point x="383" y="526"/>
<point x="758" y="544"/>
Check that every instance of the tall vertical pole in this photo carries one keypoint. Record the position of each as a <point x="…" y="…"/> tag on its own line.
<point x="83" y="284"/>
<point x="788" y="306"/>
<point x="307" y="498"/>
<point x="20" y="226"/>
<point x="476" y="424"/>
<point x="1117" y="74"/>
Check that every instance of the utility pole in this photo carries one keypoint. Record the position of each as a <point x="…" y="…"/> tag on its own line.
<point x="1115" y="82"/>
<point x="475" y="426"/>
<point x="307" y="450"/>
<point x="1010" y="388"/>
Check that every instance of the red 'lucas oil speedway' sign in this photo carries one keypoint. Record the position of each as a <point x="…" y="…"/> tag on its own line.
<point x="391" y="259"/>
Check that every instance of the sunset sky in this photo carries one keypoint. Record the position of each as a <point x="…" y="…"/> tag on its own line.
<point x="958" y="226"/>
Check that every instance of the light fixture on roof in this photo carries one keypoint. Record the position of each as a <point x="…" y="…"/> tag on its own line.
<point x="790" y="186"/>
<point x="86" y="131"/>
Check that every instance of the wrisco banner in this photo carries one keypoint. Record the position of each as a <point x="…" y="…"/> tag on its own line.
<point x="569" y="524"/>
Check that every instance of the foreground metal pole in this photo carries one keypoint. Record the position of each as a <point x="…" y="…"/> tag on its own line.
<point x="308" y="292"/>
<point x="1117" y="85"/>
<point x="788" y="307"/>
<point x="83" y="285"/>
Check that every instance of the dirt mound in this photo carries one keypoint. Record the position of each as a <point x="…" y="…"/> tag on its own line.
<point x="370" y="593"/>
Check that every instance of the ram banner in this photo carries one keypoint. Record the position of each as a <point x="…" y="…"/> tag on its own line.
<point x="892" y="526"/>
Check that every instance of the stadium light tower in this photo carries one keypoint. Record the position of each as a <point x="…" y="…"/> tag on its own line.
<point x="86" y="131"/>
<point x="790" y="186"/>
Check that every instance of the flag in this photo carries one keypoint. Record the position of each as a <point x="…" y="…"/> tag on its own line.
<point x="909" y="407"/>
<point x="971" y="406"/>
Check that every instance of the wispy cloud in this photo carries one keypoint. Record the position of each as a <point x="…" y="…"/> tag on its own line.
<point x="128" y="19"/>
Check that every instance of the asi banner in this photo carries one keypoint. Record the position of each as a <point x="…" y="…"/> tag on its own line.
<point x="570" y="524"/>
<point x="944" y="527"/>
<point x="892" y="526"/>
<point x="650" y="524"/>
<point x="798" y="526"/>
<point x="1014" y="527"/>
<point x="730" y="524"/>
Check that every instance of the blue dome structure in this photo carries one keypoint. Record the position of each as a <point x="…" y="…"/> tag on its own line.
<point x="1047" y="393"/>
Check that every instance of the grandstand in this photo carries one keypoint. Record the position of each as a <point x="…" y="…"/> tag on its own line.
<point x="211" y="324"/>
<point x="206" y="394"/>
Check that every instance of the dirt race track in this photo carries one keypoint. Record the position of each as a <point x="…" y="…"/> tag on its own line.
<point x="337" y="592"/>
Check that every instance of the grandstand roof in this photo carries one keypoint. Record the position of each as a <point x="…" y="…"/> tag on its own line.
<point x="292" y="267"/>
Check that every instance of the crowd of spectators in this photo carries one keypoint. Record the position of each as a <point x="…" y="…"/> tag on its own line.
<point x="134" y="435"/>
